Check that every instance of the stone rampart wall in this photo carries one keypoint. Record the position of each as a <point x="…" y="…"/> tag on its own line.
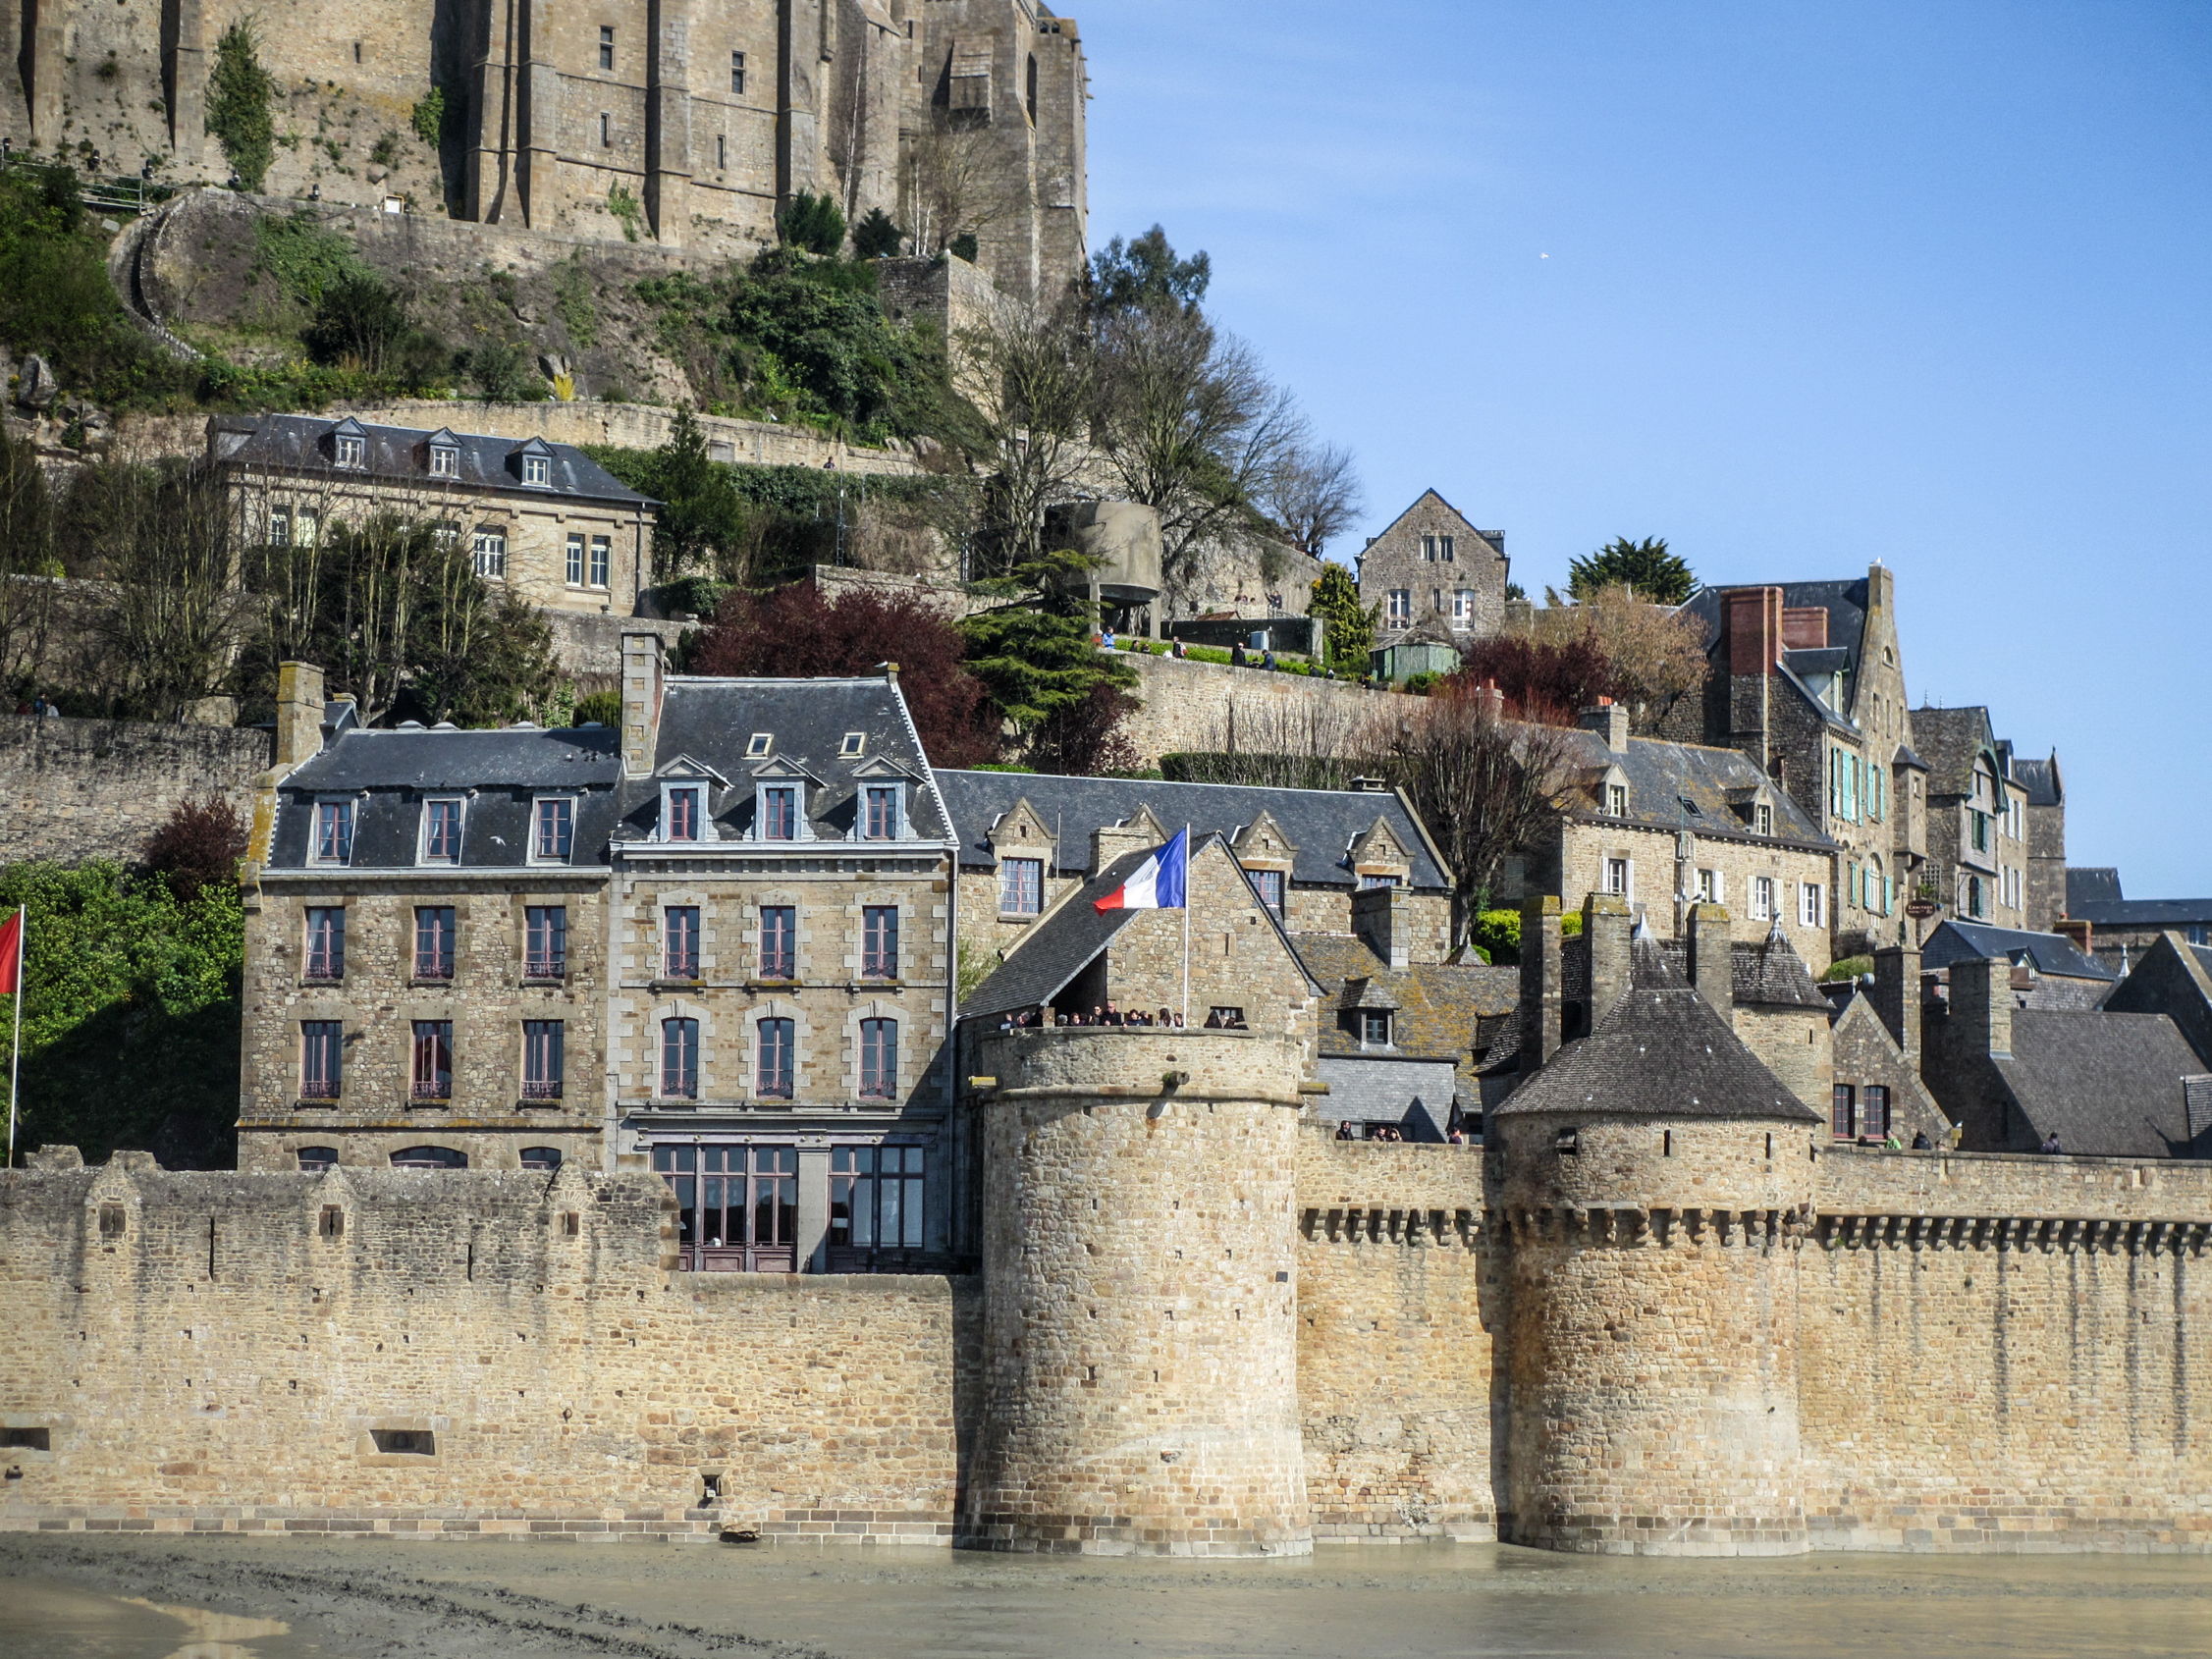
<point x="83" y="788"/>
<point x="247" y="1352"/>
<point x="1397" y="1292"/>
<point x="2007" y="1352"/>
<point x="1188" y="705"/>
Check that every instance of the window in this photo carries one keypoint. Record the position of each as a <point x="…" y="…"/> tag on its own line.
<point x="1445" y="547"/>
<point x="852" y="745"/>
<point x="774" y="1074"/>
<point x="1437" y="600"/>
<point x="1022" y="886"/>
<point x="333" y="832"/>
<point x="1428" y="550"/>
<point x="1973" y="896"/>
<point x="441" y="832"/>
<point x="779" y="942"/>
<point x="778" y="814"/>
<point x="350" y="451"/>
<point x="537" y="469"/>
<point x="721" y="152"/>
<point x="1812" y="904"/>
<point x="445" y="462"/>
<point x="1876" y="1121"/>
<point x="1843" y="1113"/>
<point x="680" y="942"/>
<point x="680" y="1059"/>
<point x="1763" y="898"/>
<point x="434" y="941"/>
<point x="314" y="1159"/>
<point x="879" y="941"/>
<point x="600" y="550"/>
<point x="545" y="937"/>
<point x="543" y="1158"/>
<point x="1377" y="878"/>
<point x="429" y="1157"/>
<point x="880" y="811"/>
<point x="743" y="1201"/>
<point x="758" y="745"/>
<point x="280" y="526"/>
<point x="606" y="48"/>
<point x="1616" y="877"/>
<point x="433" y="1071"/>
<point x="490" y="549"/>
<point x="1708" y="887"/>
<point x="1270" y="883"/>
<point x="326" y="943"/>
<point x="320" y="1042"/>
<point x="1616" y="800"/>
<point x="1978" y="830"/>
<point x="556" y="830"/>
<point x="606" y="143"/>
<point x="306" y="526"/>
<point x="540" y="1060"/>
<point x="879" y="1059"/>
<point x="737" y="72"/>
<point x="1399" y="606"/>
<point x="1463" y="607"/>
<point x="679" y="820"/>
<point x="1764" y="818"/>
<point x="1374" y="1028"/>
<point x="876" y="1198"/>
<point x="1030" y="99"/>
<point x="575" y="562"/>
<point x="1876" y="793"/>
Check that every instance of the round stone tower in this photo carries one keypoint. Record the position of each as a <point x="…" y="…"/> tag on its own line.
<point x="1140" y="1329"/>
<point x="1656" y="1184"/>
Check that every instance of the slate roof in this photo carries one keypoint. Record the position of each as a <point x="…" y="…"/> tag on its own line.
<point x="2051" y="953"/>
<point x="2109" y="1083"/>
<point x="2091" y="885"/>
<point x="1768" y="974"/>
<point x="1950" y="739"/>
<point x="1321" y="823"/>
<point x="1844" y="601"/>
<point x="1660" y="775"/>
<point x="400" y="455"/>
<point x="1661" y="1051"/>
<point x="1439" y="1006"/>
<point x="2144" y="913"/>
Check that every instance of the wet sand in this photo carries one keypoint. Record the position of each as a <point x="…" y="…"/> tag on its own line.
<point x="64" y="1598"/>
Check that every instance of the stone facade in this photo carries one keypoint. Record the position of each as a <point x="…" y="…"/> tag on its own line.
<point x="1187" y="705"/>
<point x="690" y="125"/>
<point x="1431" y="565"/>
<point x="1978" y="820"/>
<point x="99" y="788"/>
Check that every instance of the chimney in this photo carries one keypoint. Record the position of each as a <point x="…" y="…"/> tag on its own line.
<point x="890" y="672"/>
<point x="642" y="701"/>
<point x="1805" y="627"/>
<point x="1712" y="958"/>
<point x="1982" y="1003"/>
<point x="1609" y="719"/>
<point x="1382" y="917"/>
<point x="1608" y="928"/>
<point x="1751" y="620"/>
<point x="1540" y="981"/>
<point x="2078" y="934"/>
<point x="1897" y="998"/>
<point x="1490" y="701"/>
<point x="299" y="712"/>
<point x="1108" y="842"/>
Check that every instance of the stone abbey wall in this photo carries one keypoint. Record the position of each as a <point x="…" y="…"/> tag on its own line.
<point x="84" y="788"/>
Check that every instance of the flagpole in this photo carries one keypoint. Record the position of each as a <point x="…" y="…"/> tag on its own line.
<point x="15" y="1048"/>
<point x="1186" y="924"/>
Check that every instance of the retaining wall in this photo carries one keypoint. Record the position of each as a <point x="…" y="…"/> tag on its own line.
<point x="83" y="788"/>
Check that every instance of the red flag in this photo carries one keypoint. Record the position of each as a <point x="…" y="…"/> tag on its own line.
<point x="11" y="954"/>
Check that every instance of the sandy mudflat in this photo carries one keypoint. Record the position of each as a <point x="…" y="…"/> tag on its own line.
<point x="79" y="1597"/>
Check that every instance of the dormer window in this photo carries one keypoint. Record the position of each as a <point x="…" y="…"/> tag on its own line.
<point x="1374" y="1028"/>
<point x="445" y="462"/>
<point x="333" y="832"/>
<point x="1762" y="818"/>
<point x="1616" y="800"/>
<point x="351" y="452"/>
<point x="779" y="813"/>
<point x="855" y="744"/>
<point x="878" y="812"/>
<point x="758" y="745"/>
<point x="441" y="832"/>
<point x="537" y="469"/>
<point x="682" y="812"/>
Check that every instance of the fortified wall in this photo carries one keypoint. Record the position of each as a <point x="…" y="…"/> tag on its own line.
<point x="1257" y="1336"/>
<point x="84" y="788"/>
<point x="1191" y="705"/>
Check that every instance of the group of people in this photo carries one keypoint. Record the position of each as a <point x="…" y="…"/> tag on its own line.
<point x="1098" y="1014"/>
<point x="1347" y="1130"/>
<point x="38" y="705"/>
<point x="1225" y="1019"/>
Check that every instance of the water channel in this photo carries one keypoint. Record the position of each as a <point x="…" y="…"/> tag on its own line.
<point x="107" y="1597"/>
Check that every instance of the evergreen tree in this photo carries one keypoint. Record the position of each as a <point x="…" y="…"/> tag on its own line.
<point x="876" y="237"/>
<point x="812" y="222"/>
<point x="1659" y="578"/>
<point x="238" y="105"/>
<point x="1350" y="625"/>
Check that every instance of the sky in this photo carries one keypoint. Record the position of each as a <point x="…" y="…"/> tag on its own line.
<point x="1797" y="288"/>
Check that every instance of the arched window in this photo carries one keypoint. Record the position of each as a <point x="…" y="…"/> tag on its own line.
<point x="429" y="1157"/>
<point x="318" y="1157"/>
<point x="541" y="1157"/>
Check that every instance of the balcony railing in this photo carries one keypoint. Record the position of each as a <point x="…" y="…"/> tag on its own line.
<point x="325" y="964"/>
<point x="320" y="1089"/>
<point x="433" y="967"/>
<point x="541" y="1091"/>
<point x="545" y="968"/>
<point x="682" y="968"/>
<point x="441" y="1091"/>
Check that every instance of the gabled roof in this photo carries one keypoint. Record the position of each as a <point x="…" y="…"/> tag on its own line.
<point x="1951" y="740"/>
<point x="1661" y="1051"/>
<point x="1773" y="975"/>
<point x="2110" y="1084"/>
<point x="1493" y="540"/>
<point x="397" y="455"/>
<point x="1321" y="823"/>
<point x="1844" y="601"/>
<point x="2091" y="885"/>
<point x="2051" y="953"/>
<point x="1662" y="774"/>
<point x="1439" y="1006"/>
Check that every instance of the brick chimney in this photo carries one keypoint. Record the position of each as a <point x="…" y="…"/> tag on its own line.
<point x="1752" y="623"/>
<point x="299" y="712"/>
<point x="2078" y="934"/>
<point x="1382" y="917"/>
<point x="1540" y="981"/>
<point x="1897" y="998"/>
<point x="1712" y="958"/>
<point x="1609" y="719"/>
<point x="1608" y="927"/>
<point x="1982" y="1003"/>
<point x="642" y="673"/>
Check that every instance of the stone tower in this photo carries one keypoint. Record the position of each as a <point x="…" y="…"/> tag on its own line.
<point x="1139" y="1371"/>
<point x="1657" y="1182"/>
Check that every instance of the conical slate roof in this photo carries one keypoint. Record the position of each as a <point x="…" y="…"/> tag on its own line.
<point x="1660" y="1051"/>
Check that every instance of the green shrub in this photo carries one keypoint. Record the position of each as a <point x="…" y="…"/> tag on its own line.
<point x="1420" y="684"/>
<point x="429" y="117"/>
<point x="502" y="374"/>
<point x="964" y="246"/>
<point x="623" y="203"/>
<point x="303" y="255"/>
<point x="603" y="707"/>
<point x="1497" y="933"/>
<point x="238" y="104"/>
<point x="812" y="222"/>
<point x="56" y="299"/>
<point x="876" y="237"/>
<point x="572" y="298"/>
<point x="386" y="150"/>
<point x="1847" y="968"/>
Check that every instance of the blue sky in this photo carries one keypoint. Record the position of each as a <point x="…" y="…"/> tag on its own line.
<point x="1795" y="286"/>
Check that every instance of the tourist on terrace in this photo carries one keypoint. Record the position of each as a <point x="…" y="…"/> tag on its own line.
<point x="2051" y="1144"/>
<point x="1344" y="1130"/>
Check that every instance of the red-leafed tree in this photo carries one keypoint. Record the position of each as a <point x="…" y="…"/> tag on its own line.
<point x="197" y="845"/>
<point x="1549" y="681"/>
<point x="795" y="634"/>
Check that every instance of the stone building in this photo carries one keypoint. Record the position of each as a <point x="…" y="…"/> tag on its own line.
<point x="1431" y="565"/>
<point x="542" y="522"/>
<point x="2043" y="787"/>
<point x="1027" y="839"/>
<point x="1978" y="819"/>
<point x="690" y="123"/>
<point x="2117" y="929"/>
<point x="2174" y="978"/>
<point x="1807" y="681"/>
<point x="2048" y="970"/>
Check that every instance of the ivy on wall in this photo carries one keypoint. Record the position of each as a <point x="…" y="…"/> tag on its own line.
<point x="238" y="105"/>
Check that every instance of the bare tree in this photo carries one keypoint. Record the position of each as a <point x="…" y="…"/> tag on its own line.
<point x="1485" y="786"/>
<point x="1656" y="652"/>
<point x="28" y="565"/>
<point x="1031" y="373"/>
<point x="954" y="181"/>
<point x="1313" y="493"/>
<point x="1303" y="744"/>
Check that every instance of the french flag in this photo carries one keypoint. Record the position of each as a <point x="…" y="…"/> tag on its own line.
<point x="1159" y="882"/>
